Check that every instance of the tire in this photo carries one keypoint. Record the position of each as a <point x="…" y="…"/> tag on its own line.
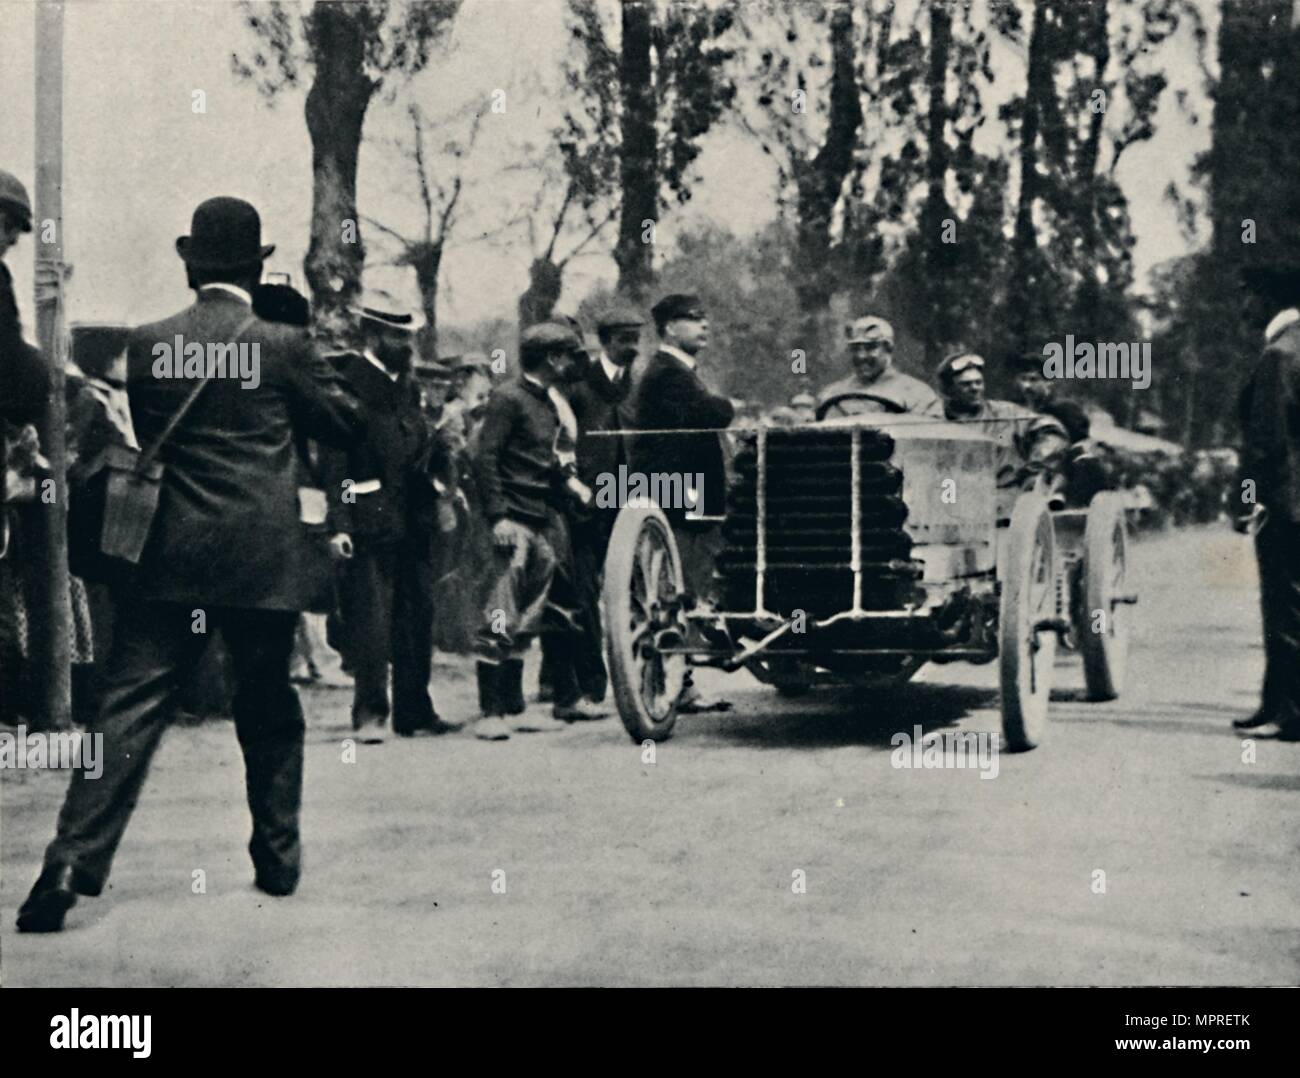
<point x="642" y="571"/>
<point x="1026" y="657"/>
<point x="1104" y="641"/>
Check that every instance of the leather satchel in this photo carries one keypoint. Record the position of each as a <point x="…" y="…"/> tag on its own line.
<point x="113" y="501"/>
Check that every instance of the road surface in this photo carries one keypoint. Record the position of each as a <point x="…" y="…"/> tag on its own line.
<point x="774" y="845"/>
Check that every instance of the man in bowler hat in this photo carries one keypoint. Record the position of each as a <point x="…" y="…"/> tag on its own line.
<point x="226" y="551"/>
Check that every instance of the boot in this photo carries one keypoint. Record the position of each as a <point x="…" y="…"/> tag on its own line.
<point x="490" y="726"/>
<point x="510" y="687"/>
<point x="489" y="691"/>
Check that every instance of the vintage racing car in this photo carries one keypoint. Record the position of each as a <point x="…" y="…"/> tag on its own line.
<point x="858" y="549"/>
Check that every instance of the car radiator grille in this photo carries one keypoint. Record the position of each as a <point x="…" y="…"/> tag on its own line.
<point x="808" y="525"/>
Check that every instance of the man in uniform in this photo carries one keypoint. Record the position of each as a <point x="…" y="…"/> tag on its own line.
<point x="379" y="494"/>
<point x="673" y="397"/>
<point x="226" y="551"/>
<point x="1270" y="469"/>
<point x="871" y="352"/>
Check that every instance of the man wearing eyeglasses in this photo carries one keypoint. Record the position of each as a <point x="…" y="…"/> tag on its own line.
<point x="871" y="352"/>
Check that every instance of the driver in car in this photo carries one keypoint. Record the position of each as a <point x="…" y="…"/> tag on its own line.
<point x="871" y="352"/>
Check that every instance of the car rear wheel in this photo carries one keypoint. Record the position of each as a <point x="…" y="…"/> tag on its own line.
<point x="643" y="585"/>
<point x="1104" y="636"/>
<point x="1026" y="636"/>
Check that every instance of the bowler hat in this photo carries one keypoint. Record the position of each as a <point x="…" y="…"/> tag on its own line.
<point x="225" y="233"/>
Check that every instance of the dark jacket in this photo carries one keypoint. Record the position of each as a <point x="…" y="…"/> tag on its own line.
<point x="393" y="452"/>
<point x="601" y="405"/>
<point x="1270" y="426"/>
<point x="24" y="377"/>
<point x="227" y="531"/>
<point x="672" y="397"/>
<point x="515" y="469"/>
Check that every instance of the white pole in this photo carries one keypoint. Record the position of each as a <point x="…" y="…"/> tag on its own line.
<point x="51" y="636"/>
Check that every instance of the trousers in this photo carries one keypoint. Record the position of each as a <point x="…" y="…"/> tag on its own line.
<point x="573" y="657"/>
<point x="386" y="600"/>
<point x="1277" y="549"/>
<point x="155" y="646"/>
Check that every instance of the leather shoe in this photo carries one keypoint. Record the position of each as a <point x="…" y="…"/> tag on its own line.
<point x="1260" y="718"/>
<point x="430" y="729"/>
<point x="52" y="896"/>
<point x="581" y="710"/>
<point x="693" y="702"/>
<point x="279" y="886"/>
<point x="85" y="884"/>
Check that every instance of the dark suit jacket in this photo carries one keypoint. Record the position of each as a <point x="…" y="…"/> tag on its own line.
<point x="227" y="531"/>
<point x="601" y="405"/>
<point x="1270" y="420"/>
<point x="672" y="397"/>
<point x="393" y="451"/>
<point x="24" y="377"/>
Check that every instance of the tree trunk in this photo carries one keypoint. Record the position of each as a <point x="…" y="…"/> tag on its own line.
<point x="638" y="165"/>
<point x="545" y="280"/>
<point x="1024" y="245"/>
<point x="821" y="180"/>
<point x="335" y="112"/>
<point x="426" y="260"/>
<point x="937" y="253"/>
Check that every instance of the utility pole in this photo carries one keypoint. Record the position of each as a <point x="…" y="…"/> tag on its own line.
<point x="51" y="625"/>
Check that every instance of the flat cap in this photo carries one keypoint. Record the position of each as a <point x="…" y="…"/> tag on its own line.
<point x="13" y="196"/>
<point x="547" y="335"/>
<point x="677" y="305"/>
<point x="868" y="330"/>
<point x="803" y="400"/>
<point x="1029" y="359"/>
<point x="471" y="361"/>
<point x="620" y="317"/>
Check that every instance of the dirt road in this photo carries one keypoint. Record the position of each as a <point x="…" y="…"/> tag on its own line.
<point x="686" y="870"/>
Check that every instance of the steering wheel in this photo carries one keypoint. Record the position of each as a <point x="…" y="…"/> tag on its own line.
<point x="891" y="406"/>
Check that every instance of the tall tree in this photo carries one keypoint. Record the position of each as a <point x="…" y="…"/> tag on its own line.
<point x="671" y="86"/>
<point x="1092" y="89"/>
<point x="438" y="172"/>
<point x="353" y="50"/>
<point x="1251" y="173"/>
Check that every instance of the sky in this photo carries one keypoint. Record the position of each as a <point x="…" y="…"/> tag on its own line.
<point x="138" y="157"/>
